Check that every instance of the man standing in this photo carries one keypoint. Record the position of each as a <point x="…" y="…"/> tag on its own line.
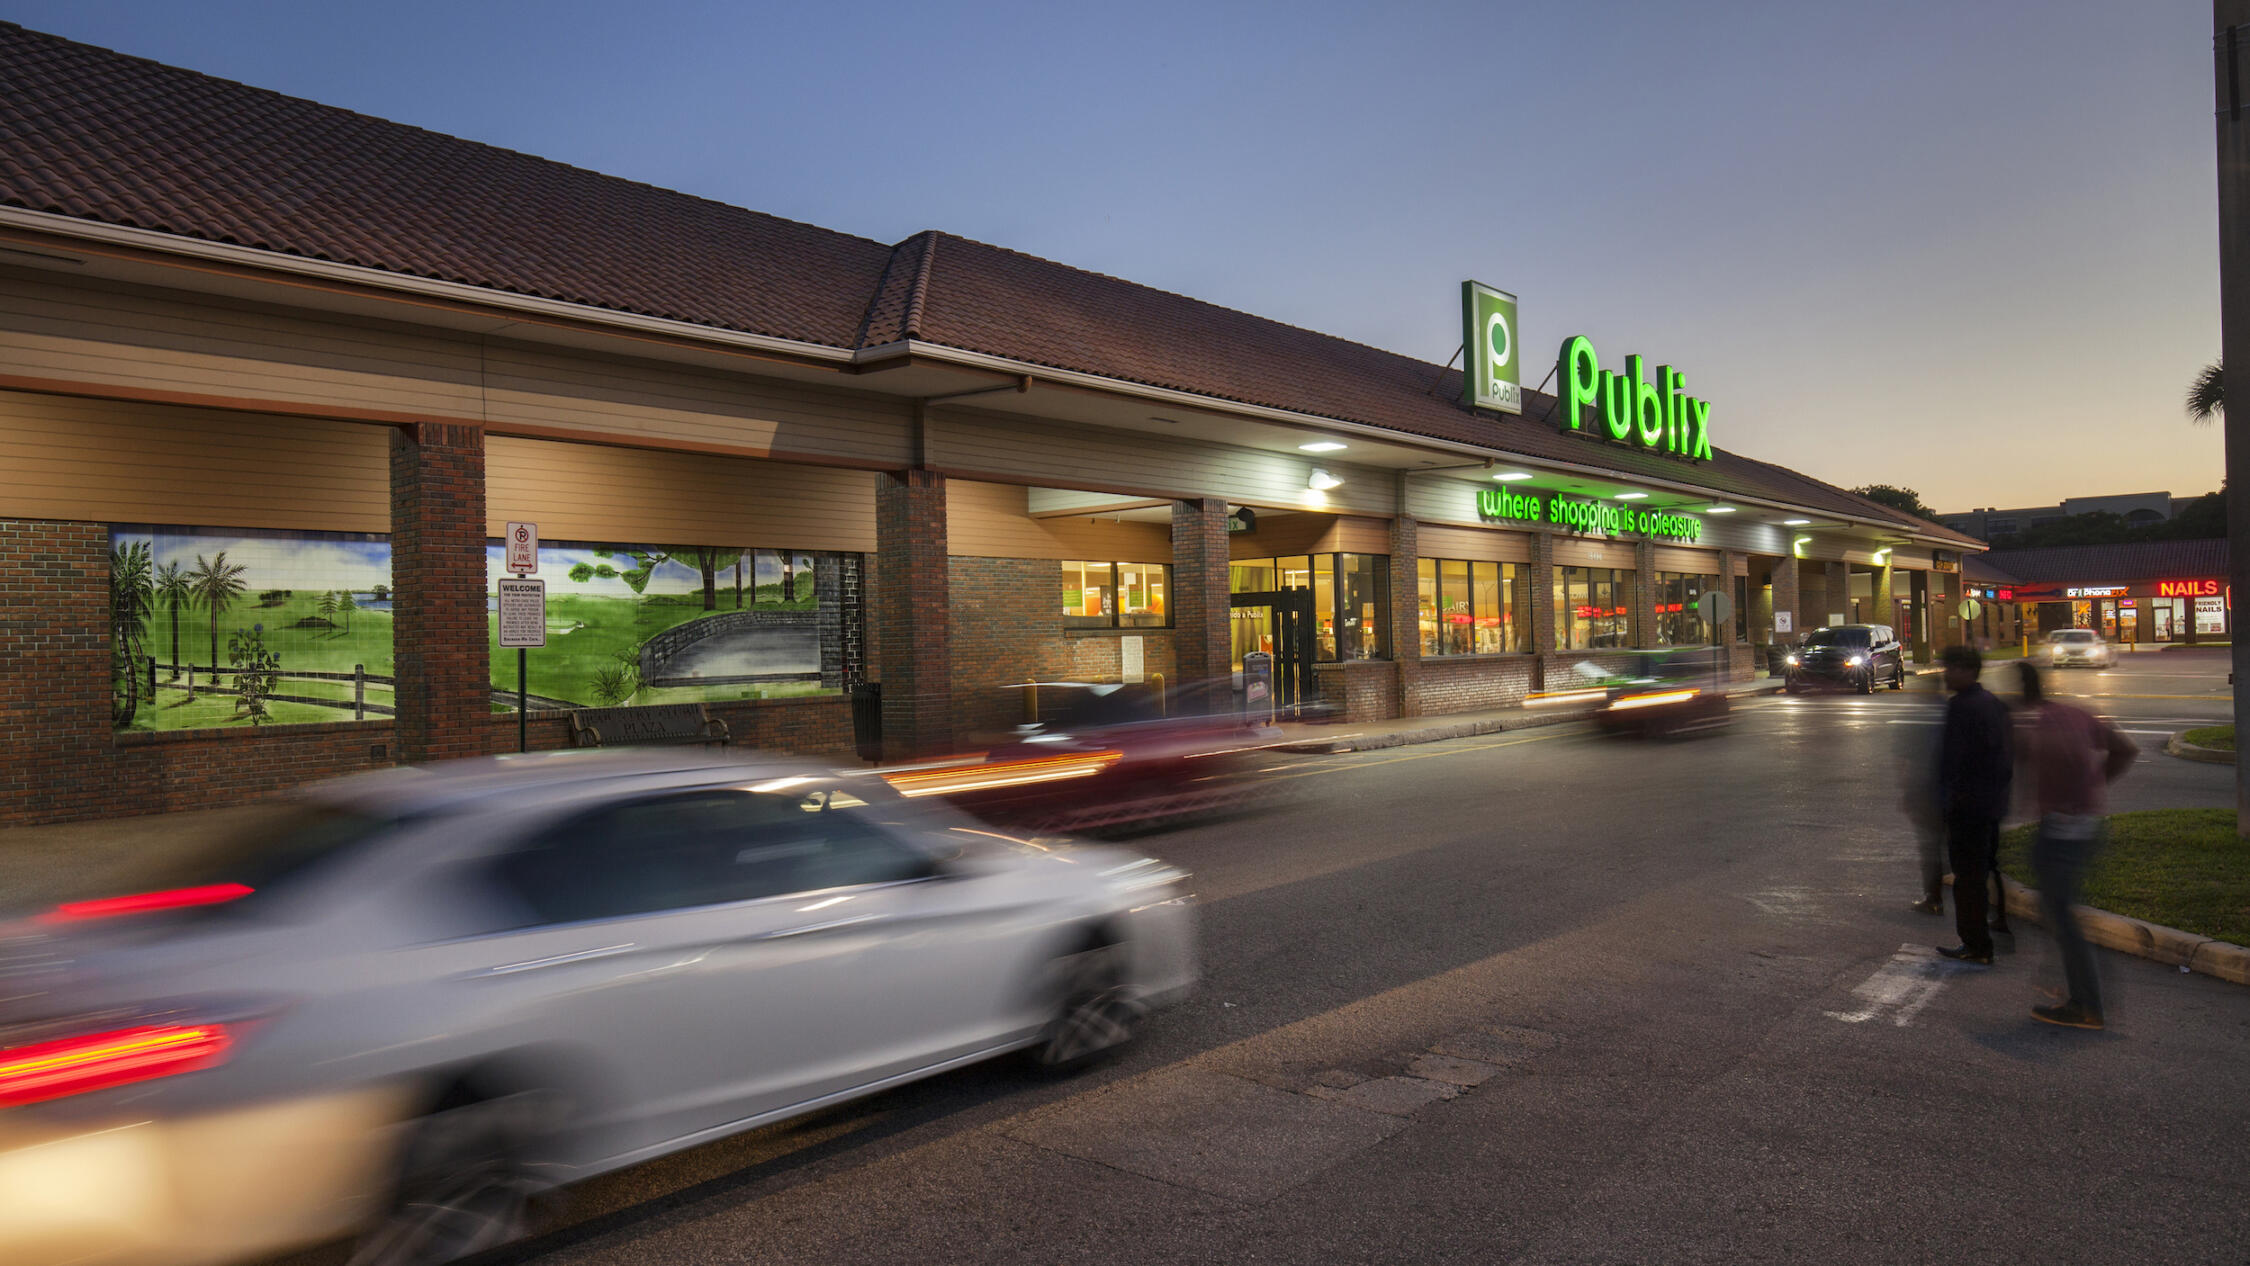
<point x="1975" y="764"/>
<point x="2072" y="757"/>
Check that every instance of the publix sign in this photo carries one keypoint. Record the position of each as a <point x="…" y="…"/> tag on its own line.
<point x="1583" y="514"/>
<point x="1647" y="410"/>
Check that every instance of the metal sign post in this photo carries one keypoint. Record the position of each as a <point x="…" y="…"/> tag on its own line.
<point x="523" y="624"/>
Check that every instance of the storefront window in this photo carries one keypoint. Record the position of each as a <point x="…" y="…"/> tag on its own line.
<point x="1116" y="595"/>
<point x="1678" y="621"/>
<point x="1472" y="608"/>
<point x="1351" y="601"/>
<point x="1591" y="608"/>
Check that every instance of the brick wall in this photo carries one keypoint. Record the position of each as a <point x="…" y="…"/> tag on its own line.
<point x="1006" y="626"/>
<point x="438" y="629"/>
<point x="1360" y="690"/>
<point x="1470" y="683"/>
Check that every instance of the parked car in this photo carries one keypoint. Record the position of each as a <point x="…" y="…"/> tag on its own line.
<point x="417" y="999"/>
<point x="1851" y="656"/>
<point x="2081" y="648"/>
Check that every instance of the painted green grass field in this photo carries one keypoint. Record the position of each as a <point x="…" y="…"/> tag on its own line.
<point x="295" y="629"/>
<point x="587" y="635"/>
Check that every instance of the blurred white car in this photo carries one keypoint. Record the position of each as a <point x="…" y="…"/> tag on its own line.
<point x="417" y="999"/>
<point x="2081" y="648"/>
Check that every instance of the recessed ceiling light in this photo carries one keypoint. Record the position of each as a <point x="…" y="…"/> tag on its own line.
<point x="1632" y="496"/>
<point x="1795" y="522"/>
<point x="1321" y="446"/>
<point x="1511" y="476"/>
<point x="1718" y="509"/>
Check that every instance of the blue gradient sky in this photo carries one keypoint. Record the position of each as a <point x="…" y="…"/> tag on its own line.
<point x="1965" y="247"/>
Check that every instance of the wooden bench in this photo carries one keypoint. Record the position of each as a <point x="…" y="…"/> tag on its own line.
<point x="663" y="723"/>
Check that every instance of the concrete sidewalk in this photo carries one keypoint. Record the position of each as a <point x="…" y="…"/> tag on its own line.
<point x="1361" y="736"/>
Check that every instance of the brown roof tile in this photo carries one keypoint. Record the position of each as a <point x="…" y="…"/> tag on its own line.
<point x="94" y="134"/>
<point x="2128" y="564"/>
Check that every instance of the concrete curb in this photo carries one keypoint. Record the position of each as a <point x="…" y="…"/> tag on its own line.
<point x="2190" y="950"/>
<point x="2185" y="750"/>
<point x="1439" y="731"/>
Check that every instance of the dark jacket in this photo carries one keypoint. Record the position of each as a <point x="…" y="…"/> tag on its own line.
<point x="1976" y="756"/>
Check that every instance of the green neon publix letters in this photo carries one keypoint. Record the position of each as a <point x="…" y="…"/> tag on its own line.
<point x="1581" y="514"/>
<point x="1636" y="407"/>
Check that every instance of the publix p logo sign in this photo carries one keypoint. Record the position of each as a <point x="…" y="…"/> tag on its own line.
<point x="1492" y="376"/>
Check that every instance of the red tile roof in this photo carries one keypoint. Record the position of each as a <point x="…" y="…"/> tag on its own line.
<point x="90" y="133"/>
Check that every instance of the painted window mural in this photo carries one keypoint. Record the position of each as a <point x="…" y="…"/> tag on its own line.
<point x="648" y="624"/>
<point x="211" y="629"/>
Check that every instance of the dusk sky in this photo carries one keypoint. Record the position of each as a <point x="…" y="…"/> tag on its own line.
<point x="1969" y="248"/>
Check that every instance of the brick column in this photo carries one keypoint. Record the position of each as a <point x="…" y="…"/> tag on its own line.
<point x="1406" y="621"/>
<point x="1837" y="586"/>
<point x="55" y="675"/>
<point x="1943" y="589"/>
<point x="914" y="614"/>
<point x="1540" y="575"/>
<point x="439" y="638"/>
<point x="1199" y="590"/>
<point x="1642" y="593"/>
<point x="1786" y="598"/>
<point x="1881" y="595"/>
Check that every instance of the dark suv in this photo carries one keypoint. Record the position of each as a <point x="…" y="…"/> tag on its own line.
<point x="1858" y="656"/>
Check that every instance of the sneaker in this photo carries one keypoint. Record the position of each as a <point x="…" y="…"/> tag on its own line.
<point x="1963" y="954"/>
<point x="1930" y="905"/>
<point x="2069" y="1015"/>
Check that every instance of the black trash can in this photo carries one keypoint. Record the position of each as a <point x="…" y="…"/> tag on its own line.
<point x="867" y="720"/>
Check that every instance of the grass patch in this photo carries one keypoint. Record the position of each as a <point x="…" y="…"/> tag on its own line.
<point x="172" y="710"/>
<point x="2183" y="868"/>
<point x="2218" y="736"/>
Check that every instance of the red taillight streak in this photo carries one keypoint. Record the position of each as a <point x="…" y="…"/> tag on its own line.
<point x="143" y="902"/>
<point x="79" y="1065"/>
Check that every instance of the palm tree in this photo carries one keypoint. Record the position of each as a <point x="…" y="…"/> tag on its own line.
<point x="129" y="605"/>
<point x="174" y="591"/>
<point x="2207" y="395"/>
<point x="217" y="584"/>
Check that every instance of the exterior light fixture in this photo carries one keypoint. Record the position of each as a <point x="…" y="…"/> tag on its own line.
<point x="1883" y="555"/>
<point x="1632" y="496"/>
<point x="1513" y="476"/>
<point x="1718" y="509"/>
<point x="1322" y="446"/>
<point x="1798" y="548"/>
<point x="1322" y="481"/>
<point x="1796" y="522"/>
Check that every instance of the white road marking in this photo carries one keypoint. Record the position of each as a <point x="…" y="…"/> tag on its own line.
<point x="1899" y="988"/>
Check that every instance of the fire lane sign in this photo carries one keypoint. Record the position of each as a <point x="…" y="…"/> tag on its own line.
<point x="523" y="611"/>
<point x="523" y="548"/>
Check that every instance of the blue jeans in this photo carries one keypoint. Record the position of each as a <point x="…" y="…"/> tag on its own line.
<point x="2064" y="849"/>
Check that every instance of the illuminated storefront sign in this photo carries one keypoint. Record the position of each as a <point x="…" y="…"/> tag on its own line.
<point x="2097" y="591"/>
<point x="1492" y="373"/>
<point x="2187" y="588"/>
<point x="1581" y="514"/>
<point x="1635" y="407"/>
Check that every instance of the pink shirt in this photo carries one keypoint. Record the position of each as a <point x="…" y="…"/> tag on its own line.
<point x="2066" y="749"/>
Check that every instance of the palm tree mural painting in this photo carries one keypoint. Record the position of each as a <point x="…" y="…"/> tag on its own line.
<point x="174" y="591"/>
<point x="130" y="590"/>
<point x="2207" y="395"/>
<point x="217" y="583"/>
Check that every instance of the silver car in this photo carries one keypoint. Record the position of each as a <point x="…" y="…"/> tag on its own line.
<point x="2077" y="647"/>
<point x="418" y="999"/>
